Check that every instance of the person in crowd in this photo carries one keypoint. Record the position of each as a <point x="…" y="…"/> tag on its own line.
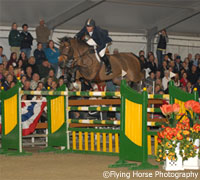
<point x="151" y="79"/>
<point x="178" y="64"/>
<point x="2" y="56"/>
<point x="24" y="58"/>
<point x="8" y="80"/>
<point x="23" y="79"/>
<point x="195" y="62"/>
<point x="32" y="64"/>
<point x="48" y="83"/>
<point x="13" y="60"/>
<point x="165" y="80"/>
<point x="54" y="85"/>
<point x="28" y="73"/>
<point x="158" y="74"/>
<point x="26" y="40"/>
<point x="42" y="34"/>
<point x="60" y="81"/>
<point x="197" y="85"/>
<point x="163" y="68"/>
<point x="162" y="41"/>
<point x="14" y="40"/>
<point x="151" y="63"/>
<point x="41" y="85"/>
<point x="34" y="81"/>
<point x="176" y="80"/>
<point x="11" y="69"/>
<point x="110" y="86"/>
<point x="44" y="69"/>
<point x="1" y="71"/>
<point x="52" y="54"/>
<point x="184" y="80"/>
<point x="52" y="75"/>
<point x="26" y="87"/>
<point x="39" y="54"/>
<point x="192" y="75"/>
<point x="189" y="87"/>
<point x="100" y="40"/>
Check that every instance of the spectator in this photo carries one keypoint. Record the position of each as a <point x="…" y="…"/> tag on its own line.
<point x="42" y="34"/>
<point x="151" y="63"/>
<point x="176" y="80"/>
<point x="41" y="85"/>
<point x="23" y="79"/>
<point x="26" y="87"/>
<point x="24" y="58"/>
<point x="163" y="68"/>
<point x="162" y="41"/>
<point x="1" y="71"/>
<point x="29" y="73"/>
<point x="189" y="87"/>
<point x="11" y="69"/>
<point x="13" y="60"/>
<point x="34" y="81"/>
<point x="184" y="80"/>
<point x="48" y="82"/>
<point x="52" y="75"/>
<point x="54" y="85"/>
<point x="178" y="64"/>
<point x="52" y="55"/>
<point x="6" y="84"/>
<point x="31" y="63"/>
<point x="193" y="75"/>
<point x="158" y="75"/>
<point x="14" y="39"/>
<point x="60" y="81"/>
<point x="2" y="56"/>
<point x="26" y="40"/>
<point x="195" y="62"/>
<point x="44" y="69"/>
<point x="39" y="54"/>
<point x="197" y="85"/>
<point x="165" y="80"/>
<point x="110" y="86"/>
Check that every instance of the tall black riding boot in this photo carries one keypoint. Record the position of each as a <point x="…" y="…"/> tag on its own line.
<point x="107" y="64"/>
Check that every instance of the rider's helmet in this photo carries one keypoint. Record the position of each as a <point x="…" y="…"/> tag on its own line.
<point x="90" y="23"/>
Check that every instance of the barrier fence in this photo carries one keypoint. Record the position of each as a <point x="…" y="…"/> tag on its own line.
<point x="127" y="137"/>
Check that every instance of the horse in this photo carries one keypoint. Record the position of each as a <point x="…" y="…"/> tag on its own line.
<point x="89" y="67"/>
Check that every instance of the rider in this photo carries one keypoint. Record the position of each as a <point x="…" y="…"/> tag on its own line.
<point x="100" y="39"/>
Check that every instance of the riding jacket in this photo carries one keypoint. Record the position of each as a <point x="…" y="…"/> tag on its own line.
<point x="100" y="36"/>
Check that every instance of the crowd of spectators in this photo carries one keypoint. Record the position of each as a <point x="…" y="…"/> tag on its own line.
<point x="41" y="70"/>
<point x="184" y="72"/>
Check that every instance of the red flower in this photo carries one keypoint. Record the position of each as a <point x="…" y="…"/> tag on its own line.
<point x="196" y="108"/>
<point x="189" y="104"/>
<point x="166" y="109"/>
<point x="176" y="108"/>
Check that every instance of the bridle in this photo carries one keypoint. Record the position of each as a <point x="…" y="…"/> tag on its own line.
<point x="76" y="58"/>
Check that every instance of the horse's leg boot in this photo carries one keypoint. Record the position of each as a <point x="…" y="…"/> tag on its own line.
<point x="107" y="64"/>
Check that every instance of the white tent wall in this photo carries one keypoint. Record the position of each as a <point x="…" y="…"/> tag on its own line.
<point x="124" y="42"/>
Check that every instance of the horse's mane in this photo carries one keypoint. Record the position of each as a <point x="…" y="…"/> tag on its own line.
<point x="67" y="39"/>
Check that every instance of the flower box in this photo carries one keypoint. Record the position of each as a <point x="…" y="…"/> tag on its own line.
<point x="193" y="162"/>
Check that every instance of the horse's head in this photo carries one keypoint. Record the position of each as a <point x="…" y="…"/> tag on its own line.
<point x="66" y="51"/>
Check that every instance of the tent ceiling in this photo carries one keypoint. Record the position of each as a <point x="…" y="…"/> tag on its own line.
<point x="181" y="16"/>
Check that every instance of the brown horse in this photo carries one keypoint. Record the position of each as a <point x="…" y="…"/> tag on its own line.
<point x="91" y="69"/>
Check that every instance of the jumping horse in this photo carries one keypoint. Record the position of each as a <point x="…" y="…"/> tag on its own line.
<point x="89" y="67"/>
